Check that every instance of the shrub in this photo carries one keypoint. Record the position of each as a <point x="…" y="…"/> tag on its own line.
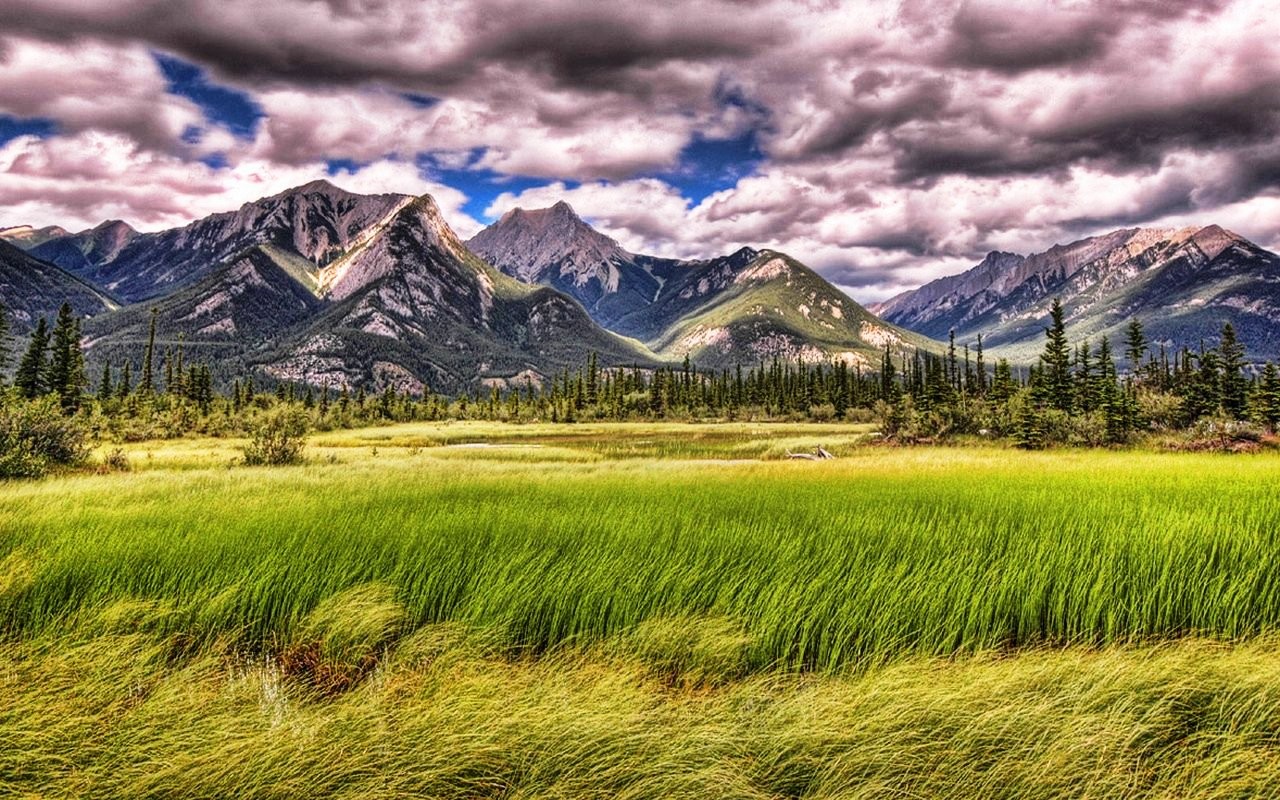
<point x="1221" y="435"/>
<point x="1160" y="411"/>
<point x="277" y="437"/>
<point x="116" y="461"/>
<point x="824" y="412"/>
<point x="35" y="437"/>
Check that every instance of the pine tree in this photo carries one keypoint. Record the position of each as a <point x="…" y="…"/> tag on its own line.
<point x="179" y="374"/>
<point x="888" y="379"/>
<point x="147" y="385"/>
<point x="79" y="377"/>
<point x="1202" y="395"/>
<point x="1029" y="429"/>
<point x="5" y="354"/>
<point x="31" y="378"/>
<point x="60" y="356"/>
<point x="66" y="361"/>
<point x="953" y="368"/>
<point x="1056" y="378"/>
<point x="126" y="380"/>
<point x="593" y="378"/>
<point x="1234" y="387"/>
<point x="1002" y="383"/>
<point x="1135" y="346"/>
<point x="1269" y="397"/>
<point x="1086" y="381"/>
<point x="981" y="367"/>
<point x="105" y="387"/>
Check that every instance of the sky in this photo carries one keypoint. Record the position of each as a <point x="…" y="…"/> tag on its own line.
<point x="883" y="143"/>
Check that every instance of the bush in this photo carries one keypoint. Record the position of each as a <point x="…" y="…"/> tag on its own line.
<point x="1221" y="435"/>
<point x="1160" y="411"/>
<point x="824" y="412"/>
<point x="35" y="437"/>
<point x="116" y="461"/>
<point x="277" y="437"/>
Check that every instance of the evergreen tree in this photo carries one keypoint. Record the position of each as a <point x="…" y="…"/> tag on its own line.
<point x="1269" y="397"/>
<point x="888" y="383"/>
<point x="1202" y="395"/>
<point x="593" y="379"/>
<point x="953" y="368"/>
<point x="126" y="380"/>
<point x="1002" y="383"/>
<point x="1135" y="346"/>
<point x="79" y="377"/>
<point x="147" y="384"/>
<point x="62" y="343"/>
<point x="1086" y="382"/>
<point x="1029" y="428"/>
<point x="5" y="355"/>
<point x="179" y="373"/>
<point x="1234" y="386"/>
<point x="105" y="387"/>
<point x="981" y="388"/>
<point x="1056" y="361"/>
<point x="66" y="361"/>
<point x="31" y="378"/>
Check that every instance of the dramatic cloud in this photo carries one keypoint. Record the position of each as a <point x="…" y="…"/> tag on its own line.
<point x="885" y="142"/>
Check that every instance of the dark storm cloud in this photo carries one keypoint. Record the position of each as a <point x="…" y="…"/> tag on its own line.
<point x="875" y="105"/>
<point x="323" y="42"/>
<point x="586" y="44"/>
<point x="900" y="130"/>
<point x="986" y="35"/>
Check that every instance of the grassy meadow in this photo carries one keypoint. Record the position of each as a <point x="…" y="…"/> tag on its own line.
<point x="645" y="610"/>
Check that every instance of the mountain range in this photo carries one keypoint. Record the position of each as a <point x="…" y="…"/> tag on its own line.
<point x="320" y="285"/>
<point x="1183" y="284"/>
<point x="323" y="286"/>
<point x="742" y="308"/>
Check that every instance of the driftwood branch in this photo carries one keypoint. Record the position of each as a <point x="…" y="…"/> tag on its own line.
<point x="819" y="454"/>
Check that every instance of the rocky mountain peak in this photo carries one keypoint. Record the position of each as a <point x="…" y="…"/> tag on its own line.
<point x="415" y="234"/>
<point x="318" y="186"/>
<point x="1214" y="239"/>
<point x="539" y="244"/>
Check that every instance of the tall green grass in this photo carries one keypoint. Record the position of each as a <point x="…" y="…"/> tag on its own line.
<point x="882" y="554"/>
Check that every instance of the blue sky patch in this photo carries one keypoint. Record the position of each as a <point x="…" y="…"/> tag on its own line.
<point x="480" y="185"/>
<point x="420" y="100"/>
<point x="336" y="166"/>
<point x="215" y="160"/>
<point x="230" y="108"/>
<point x="13" y="127"/>
<point x="709" y="165"/>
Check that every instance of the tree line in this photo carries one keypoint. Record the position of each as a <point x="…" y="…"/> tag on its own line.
<point x="1075" y="393"/>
